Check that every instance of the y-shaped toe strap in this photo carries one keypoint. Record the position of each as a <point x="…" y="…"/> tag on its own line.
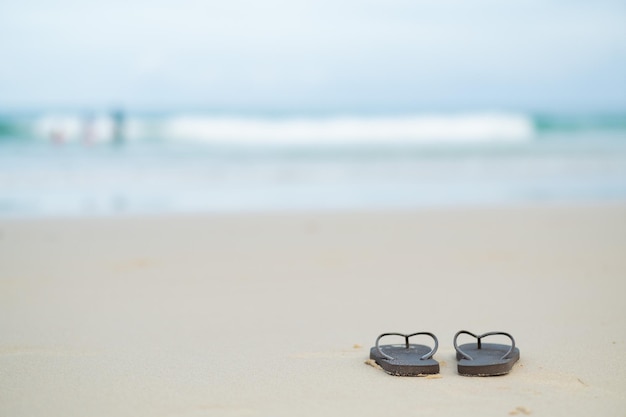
<point x="406" y="340"/>
<point x="479" y="338"/>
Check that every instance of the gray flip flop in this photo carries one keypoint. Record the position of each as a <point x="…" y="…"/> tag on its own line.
<point x="407" y="359"/>
<point x="485" y="359"/>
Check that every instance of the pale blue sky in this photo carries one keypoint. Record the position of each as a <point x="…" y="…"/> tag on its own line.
<point x="347" y="56"/>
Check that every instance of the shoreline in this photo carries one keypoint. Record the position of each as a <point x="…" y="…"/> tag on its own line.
<point x="332" y="211"/>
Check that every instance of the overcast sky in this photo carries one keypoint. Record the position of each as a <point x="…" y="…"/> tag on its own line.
<point x="347" y="56"/>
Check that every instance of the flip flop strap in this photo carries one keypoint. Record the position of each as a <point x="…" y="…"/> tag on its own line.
<point x="479" y="337"/>
<point x="406" y="340"/>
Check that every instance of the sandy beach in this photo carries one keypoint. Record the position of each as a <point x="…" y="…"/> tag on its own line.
<point x="274" y="314"/>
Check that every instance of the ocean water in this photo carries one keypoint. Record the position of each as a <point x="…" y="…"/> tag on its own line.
<point x="100" y="164"/>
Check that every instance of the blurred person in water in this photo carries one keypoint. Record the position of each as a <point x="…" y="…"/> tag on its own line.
<point x="118" y="118"/>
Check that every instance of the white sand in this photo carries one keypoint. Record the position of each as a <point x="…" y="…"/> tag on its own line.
<point x="270" y="315"/>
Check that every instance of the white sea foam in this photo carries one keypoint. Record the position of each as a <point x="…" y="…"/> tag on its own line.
<point x="464" y="128"/>
<point x="346" y="130"/>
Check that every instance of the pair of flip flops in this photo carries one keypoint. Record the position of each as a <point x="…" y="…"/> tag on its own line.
<point x="474" y="359"/>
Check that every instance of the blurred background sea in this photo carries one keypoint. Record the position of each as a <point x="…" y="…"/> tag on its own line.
<point x="175" y="163"/>
<point x="177" y="107"/>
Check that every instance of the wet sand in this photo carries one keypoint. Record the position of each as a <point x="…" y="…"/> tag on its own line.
<point x="274" y="314"/>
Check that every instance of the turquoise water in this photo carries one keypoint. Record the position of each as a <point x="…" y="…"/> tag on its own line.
<point x="67" y="164"/>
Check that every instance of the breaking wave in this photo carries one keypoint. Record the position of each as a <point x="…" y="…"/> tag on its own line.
<point x="463" y="128"/>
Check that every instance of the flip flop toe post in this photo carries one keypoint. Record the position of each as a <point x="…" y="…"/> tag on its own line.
<point x="485" y="359"/>
<point x="406" y="359"/>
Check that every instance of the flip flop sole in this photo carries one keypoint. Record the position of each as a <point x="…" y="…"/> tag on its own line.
<point x="486" y="361"/>
<point x="406" y="361"/>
